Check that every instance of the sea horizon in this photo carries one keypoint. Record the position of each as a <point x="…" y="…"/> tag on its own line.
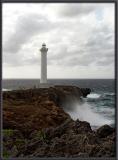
<point x="59" y="78"/>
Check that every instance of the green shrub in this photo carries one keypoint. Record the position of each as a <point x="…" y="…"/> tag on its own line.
<point x="19" y="142"/>
<point x="8" y="132"/>
<point x="6" y="154"/>
<point x="41" y="135"/>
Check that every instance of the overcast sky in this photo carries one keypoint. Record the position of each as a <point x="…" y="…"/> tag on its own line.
<point x="79" y="36"/>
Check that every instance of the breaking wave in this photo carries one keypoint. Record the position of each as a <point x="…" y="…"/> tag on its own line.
<point x="109" y="94"/>
<point x="93" y="95"/>
<point x="85" y="112"/>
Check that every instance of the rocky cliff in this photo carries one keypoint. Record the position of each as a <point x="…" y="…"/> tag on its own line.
<point x="36" y="125"/>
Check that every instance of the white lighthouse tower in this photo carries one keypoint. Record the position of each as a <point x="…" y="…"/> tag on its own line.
<point x="43" y="50"/>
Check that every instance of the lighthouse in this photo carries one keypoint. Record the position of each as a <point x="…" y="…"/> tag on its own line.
<point x="43" y="50"/>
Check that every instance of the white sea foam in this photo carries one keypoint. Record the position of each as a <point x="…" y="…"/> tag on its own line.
<point x="106" y="111"/>
<point x="109" y="93"/>
<point x="85" y="112"/>
<point x="93" y="95"/>
<point x="4" y="89"/>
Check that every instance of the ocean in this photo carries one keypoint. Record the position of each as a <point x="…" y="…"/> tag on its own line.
<point x="99" y="106"/>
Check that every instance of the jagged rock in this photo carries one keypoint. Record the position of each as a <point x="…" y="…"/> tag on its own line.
<point x="14" y="151"/>
<point x="58" y="131"/>
<point x="41" y="128"/>
<point x="85" y="155"/>
<point x="85" y="91"/>
<point x="64" y="141"/>
<point x="82" y="126"/>
<point x="104" y="131"/>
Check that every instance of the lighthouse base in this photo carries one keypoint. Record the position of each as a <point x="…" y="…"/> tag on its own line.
<point x="45" y="85"/>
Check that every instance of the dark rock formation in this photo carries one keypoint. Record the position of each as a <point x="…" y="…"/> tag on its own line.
<point x="42" y="107"/>
<point x="85" y="91"/>
<point x="68" y="140"/>
<point x="35" y="125"/>
<point x="104" y="131"/>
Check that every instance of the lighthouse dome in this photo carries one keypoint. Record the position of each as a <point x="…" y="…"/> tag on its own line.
<point x="43" y="44"/>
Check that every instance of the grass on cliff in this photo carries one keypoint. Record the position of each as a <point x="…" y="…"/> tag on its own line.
<point x="10" y="141"/>
<point x="41" y="135"/>
<point x="8" y="132"/>
<point x="6" y="154"/>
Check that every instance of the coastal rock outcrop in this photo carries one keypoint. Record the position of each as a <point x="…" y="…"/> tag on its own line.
<point x="36" y="125"/>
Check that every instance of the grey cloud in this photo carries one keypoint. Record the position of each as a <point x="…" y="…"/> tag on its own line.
<point x="32" y="60"/>
<point x="79" y="62"/>
<point x="75" y="10"/>
<point x="106" y="61"/>
<point x="83" y="57"/>
<point x="61" y="52"/>
<point x="86" y="60"/>
<point x="19" y="60"/>
<point x="26" y="27"/>
<point x="98" y="41"/>
<point x="12" y="60"/>
<point x="99" y="44"/>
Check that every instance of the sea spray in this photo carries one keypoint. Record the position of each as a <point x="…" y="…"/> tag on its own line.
<point x="84" y="112"/>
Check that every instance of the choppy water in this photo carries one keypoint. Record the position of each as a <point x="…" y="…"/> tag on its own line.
<point x="99" y="106"/>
